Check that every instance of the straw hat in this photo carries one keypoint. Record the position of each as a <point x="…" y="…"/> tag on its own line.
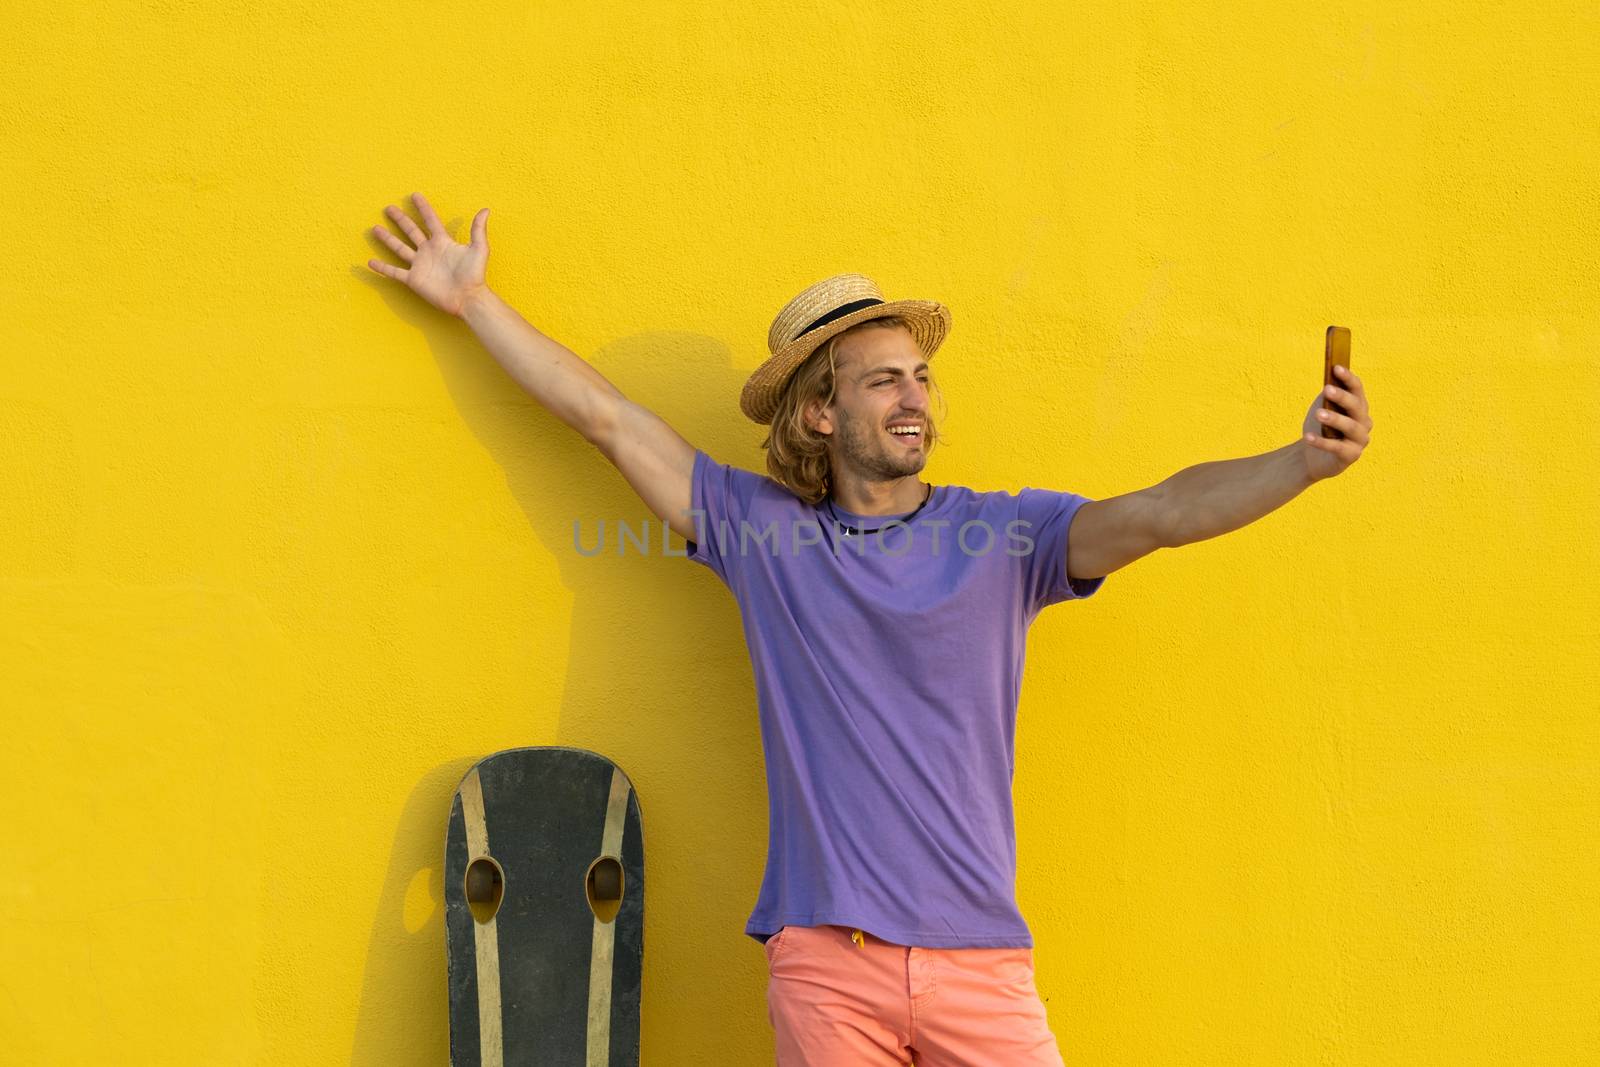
<point x="829" y="307"/>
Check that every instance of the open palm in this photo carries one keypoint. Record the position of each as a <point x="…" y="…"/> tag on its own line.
<point x="442" y="271"/>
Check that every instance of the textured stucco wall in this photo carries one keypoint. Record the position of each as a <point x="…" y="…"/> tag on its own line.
<point x="282" y="550"/>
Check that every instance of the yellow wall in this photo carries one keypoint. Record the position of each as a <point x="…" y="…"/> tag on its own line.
<point x="282" y="550"/>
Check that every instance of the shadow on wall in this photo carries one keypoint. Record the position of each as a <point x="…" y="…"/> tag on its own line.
<point x="657" y="680"/>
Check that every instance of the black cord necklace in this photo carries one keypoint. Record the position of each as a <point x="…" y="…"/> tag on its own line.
<point x="856" y="531"/>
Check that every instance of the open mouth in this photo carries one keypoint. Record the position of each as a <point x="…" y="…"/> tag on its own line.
<point x="909" y="434"/>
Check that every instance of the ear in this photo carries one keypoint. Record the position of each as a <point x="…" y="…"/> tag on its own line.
<point x="816" y="416"/>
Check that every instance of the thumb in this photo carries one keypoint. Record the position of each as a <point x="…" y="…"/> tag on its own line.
<point x="480" y="227"/>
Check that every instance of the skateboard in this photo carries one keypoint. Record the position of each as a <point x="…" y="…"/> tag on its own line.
<point x="544" y="912"/>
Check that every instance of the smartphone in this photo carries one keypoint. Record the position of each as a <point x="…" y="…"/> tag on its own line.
<point x="1335" y="352"/>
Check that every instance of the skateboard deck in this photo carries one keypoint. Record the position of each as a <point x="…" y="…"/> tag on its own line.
<point x="544" y="912"/>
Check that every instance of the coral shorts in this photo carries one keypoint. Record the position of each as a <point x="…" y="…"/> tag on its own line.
<point x="838" y="997"/>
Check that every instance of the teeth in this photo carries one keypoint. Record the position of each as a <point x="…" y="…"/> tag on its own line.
<point x="905" y="431"/>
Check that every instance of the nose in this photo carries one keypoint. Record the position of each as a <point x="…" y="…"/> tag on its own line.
<point x="914" y="396"/>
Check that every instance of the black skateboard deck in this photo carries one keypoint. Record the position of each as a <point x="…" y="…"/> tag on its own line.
<point x="544" y="912"/>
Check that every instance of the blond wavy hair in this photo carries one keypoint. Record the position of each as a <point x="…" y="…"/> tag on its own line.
<point x="797" y="455"/>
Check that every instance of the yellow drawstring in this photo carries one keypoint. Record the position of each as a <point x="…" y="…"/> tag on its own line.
<point x="859" y="938"/>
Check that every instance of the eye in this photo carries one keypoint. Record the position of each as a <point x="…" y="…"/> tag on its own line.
<point x="882" y="381"/>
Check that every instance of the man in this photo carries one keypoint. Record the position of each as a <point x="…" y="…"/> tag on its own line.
<point x="885" y="619"/>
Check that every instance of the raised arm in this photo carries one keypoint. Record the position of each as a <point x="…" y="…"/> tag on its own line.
<point x="1209" y="499"/>
<point x="651" y="456"/>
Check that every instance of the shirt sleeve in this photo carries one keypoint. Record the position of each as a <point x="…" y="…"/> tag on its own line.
<point x="1048" y="516"/>
<point x="721" y="497"/>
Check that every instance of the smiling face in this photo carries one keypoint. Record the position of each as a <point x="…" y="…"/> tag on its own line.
<point x="877" y="421"/>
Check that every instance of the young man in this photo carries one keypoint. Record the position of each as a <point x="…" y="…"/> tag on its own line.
<point x="885" y="619"/>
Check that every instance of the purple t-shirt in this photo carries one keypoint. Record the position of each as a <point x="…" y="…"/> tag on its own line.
<point x="887" y="671"/>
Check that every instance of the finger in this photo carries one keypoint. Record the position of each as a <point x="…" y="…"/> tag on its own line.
<point x="429" y="219"/>
<point x="1354" y="387"/>
<point x="1348" y="376"/>
<point x="388" y="270"/>
<point x="402" y="220"/>
<point x="1343" y="449"/>
<point x="1353" y="403"/>
<point x="1351" y="429"/>
<point x="394" y="244"/>
<point x="480" y="227"/>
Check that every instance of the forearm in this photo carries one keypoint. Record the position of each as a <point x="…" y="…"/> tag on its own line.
<point x="1214" y="498"/>
<point x="553" y="374"/>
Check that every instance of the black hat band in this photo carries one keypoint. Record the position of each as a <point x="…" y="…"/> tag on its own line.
<point x="838" y="313"/>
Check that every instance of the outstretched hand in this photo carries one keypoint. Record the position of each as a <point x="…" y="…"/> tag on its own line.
<point x="441" y="270"/>
<point x="1327" y="456"/>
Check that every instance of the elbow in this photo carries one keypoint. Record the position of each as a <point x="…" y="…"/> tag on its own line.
<point x="599" y="419"/>
<point x="1163" y="522"/>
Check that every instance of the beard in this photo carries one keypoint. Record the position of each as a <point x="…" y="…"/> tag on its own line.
<point x="863" y="448"/>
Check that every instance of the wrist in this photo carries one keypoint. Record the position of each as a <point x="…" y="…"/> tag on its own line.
<point x="1309" y="472"/>
<point x="480" y="297"/>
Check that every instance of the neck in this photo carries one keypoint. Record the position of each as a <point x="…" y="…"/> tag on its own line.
<point x="893" y="496"/>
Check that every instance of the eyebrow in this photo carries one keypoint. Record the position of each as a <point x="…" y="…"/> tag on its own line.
<point x="888" y="370"/>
